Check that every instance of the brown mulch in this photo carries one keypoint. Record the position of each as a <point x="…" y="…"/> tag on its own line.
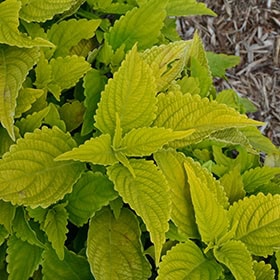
<point x="251" y="30"/>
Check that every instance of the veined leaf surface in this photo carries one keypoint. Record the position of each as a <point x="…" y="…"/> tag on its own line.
<point x="186" y="261"/>
<point x="8" y="212"/>
<point x="148" y="194"/>
<point x="67" y="34"/>
<point x="257" y="223"/>
<point x="9" y="23"/>
<point x="131" y="94"/>
<point x="90" y="194"/>
<point x="171" y="164"/>
<point x="28" y="173"/>
<point x="237" y="258"/>
<point x="113" y="248"/>
<point x="210" y="215"/>
<point x="146" y="140"/>
<point x="140" y="25"/>
<point x="96" y="150"/>
<point x="263" y="271"/>
<point x="182" y="112"/>
<point x="15" y="64"/>
<point x="42" y="10"/>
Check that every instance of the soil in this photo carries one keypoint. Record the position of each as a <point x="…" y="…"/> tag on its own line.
<point x="251" y="30"/>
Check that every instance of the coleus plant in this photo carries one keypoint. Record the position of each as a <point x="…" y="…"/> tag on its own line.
<point x="119" y="160"/>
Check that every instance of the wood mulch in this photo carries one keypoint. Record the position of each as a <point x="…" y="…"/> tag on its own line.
<point x="251" y="30"/>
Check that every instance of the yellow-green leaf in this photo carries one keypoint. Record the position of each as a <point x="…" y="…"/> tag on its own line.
<point x="131" y="94"/>
<point x="113" y="247"/>
<point x="9" y="23"/>
<point x="237" y="258"/>
<point x="208" y="201"/>
<point x="256" y="222"/>
<point x="171" y="164"/>
<point x="97" y="150"/>
<point x="263" y="271"/>
<point x="15" y="64"/>
<point x="183" y="112"/>
<point x="42" y="10"/>
<point x="186" y="261"/>
<point x="28" y="173"/>
<point x="148" y="194"/>
<point x="8" y="212"/>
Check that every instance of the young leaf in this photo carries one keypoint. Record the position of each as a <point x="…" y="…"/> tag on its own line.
<point x="3" y="235"/>
<point x="41" y="10"/>
<point x="140" y="25"/>
<point x="146" y="140"/>
<point x="15" y="64"/>
<point x="237" y="258"/>
<point x="171" y="164"/>
<point x="257" y="223"/>
<point x="8" y="212"/>
<point x="263" y="271"/>
<point x="97" y="150"/>
<point x="67" y="34"/>
<point x="9" y="33"/>
<point x="210" y="215"/>
<point x="186" y="261"/>
<point x="183" y="112"/>
<point x="219" y="63"/>
<point x="148" y="194"/>
<point x="66" y="72"/>
<point x="18" y="251"/>
<point x="73" y="266"/>
<point x="113" y="248"/>
<point x="187" y="8"/>
<point x="55" y="227"/>
<point x="90" y="194"/>
<point x="28" y="173"/>
<point x="254" y="179"/>
<point x="131" y="94"/>
<point x="167" y="62"/>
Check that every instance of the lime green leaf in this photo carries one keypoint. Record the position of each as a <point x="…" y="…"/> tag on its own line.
<point x="167" y="62"/>
<point x="23" y="230"/>
<point x="15" y="64"/>
<point x="18" y="251"/>
<point x="94" y="83"/>
<point x="257" y="223"/>
<point x="263" y="271"/>
<point x="140" y="25"/>
<point x="131" y="94"/>
<point x="277" y="255"/>
<point x="9" y="33"/>
<point x="55" y="227"/>
<point x="233" y="184"/>
<point x="183" y="112"/>
<point x="219" y="63"/>
<point x="8" y="212"/>
<point x="171" y="164"/>
<point x="237" y="258"/>
<point x="97" y="150"/>
<point x="31" y="122"/>
<point x="3" y="235"/>
<point x="66" y="72"/>
<point x="197" y="51"/>
<point x="259" y="141"/>
<point x="42" y="10"/>
<point x="26" y="97"/>
<point x="53" y="118"/>
<point x="43" y="73"/>
<point x="72" y="114"/>
<point x="113" y="248"/>
<point x="187" y="8"/>
<point x="146" y="140"/>
<point x="148" y="194"/>
<point x="90" y="194"/>
<point x="74" y="267"/>
<point x="38" y="214"/>
<point x="5" y="141"/>
<point x="203" y="76"/>
<point x="210" y="215"/>
<point x="186" y="261"/>
<point x="30" y="176"/>
<point x="189" y="85"/>
<point x="255" y="179"/>
<point x="230" y="98"/>
<point x="67" y="34"/>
